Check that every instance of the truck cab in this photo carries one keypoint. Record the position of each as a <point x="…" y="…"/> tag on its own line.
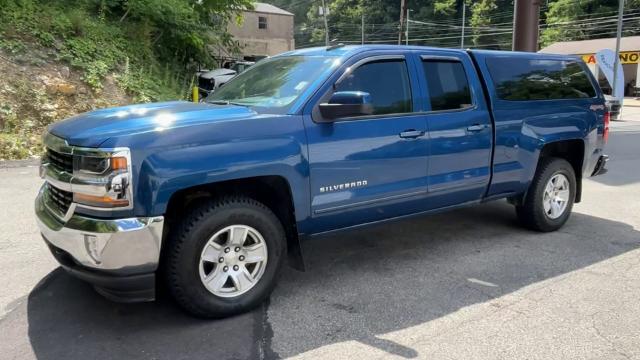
<point x="212" y="199"/>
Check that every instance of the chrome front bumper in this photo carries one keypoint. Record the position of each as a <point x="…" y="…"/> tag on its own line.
<point x="114" y="246"/>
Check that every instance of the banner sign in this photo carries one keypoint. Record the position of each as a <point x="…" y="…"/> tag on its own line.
<point x="626" y="57"/>
<point x="605" y="59"/>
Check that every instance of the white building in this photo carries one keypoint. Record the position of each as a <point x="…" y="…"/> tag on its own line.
<point x="629" y="58"/>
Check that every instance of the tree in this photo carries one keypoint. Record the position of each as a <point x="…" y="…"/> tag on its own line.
<point x="445" y="7"/>
<point x="184" y="28"/>
<point x="489" y="21"/>
<point x="561" y="13"/>
<point x="584" y="19"/>
<point x="488" y="18"/>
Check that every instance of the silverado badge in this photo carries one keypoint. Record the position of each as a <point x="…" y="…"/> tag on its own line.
<point x="349" y="185"/>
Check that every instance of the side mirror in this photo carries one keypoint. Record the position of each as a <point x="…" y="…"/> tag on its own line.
<point x="346" y="104"/>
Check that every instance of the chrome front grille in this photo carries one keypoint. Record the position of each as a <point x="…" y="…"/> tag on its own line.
<point x="60" y="200"/>
<point x="62" y="162"/>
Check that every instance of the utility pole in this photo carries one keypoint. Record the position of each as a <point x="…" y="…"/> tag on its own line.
<point x="464" y="5"/>
<point x="326" y="24"/>
<point x="617" y="60"/>
<point x="525" y="25"/>
<point x="403" y="9"/>
<point x="362" y="28"/>
<point x="407" y="34"/>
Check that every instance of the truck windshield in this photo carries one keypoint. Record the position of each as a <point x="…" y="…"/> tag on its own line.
<point x="272" y="85"/>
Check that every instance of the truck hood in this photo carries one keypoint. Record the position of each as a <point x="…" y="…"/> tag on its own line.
<point x="93" y="128"/>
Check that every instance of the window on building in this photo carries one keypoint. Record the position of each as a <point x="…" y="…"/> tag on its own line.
<point x="386" y="81"/>
<point x="539" y="79"/>
<point x="448" y="85"/>
<point x="262" y="22"/>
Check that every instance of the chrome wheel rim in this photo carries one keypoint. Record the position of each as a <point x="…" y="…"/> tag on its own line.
<point x="233" y="260"/>
<point x="556" y="196"/>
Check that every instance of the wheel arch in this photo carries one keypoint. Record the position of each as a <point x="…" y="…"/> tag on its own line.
<point x="273" y="191"/>
<point x="571" y="150"/>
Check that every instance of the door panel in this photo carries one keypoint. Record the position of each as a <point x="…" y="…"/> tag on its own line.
<point x="460" y="130"/>
<point x="459" y="157"/>
<point x="371" y="167"/>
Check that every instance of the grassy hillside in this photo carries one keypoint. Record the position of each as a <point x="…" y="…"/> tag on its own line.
<point x="62" y="57"/>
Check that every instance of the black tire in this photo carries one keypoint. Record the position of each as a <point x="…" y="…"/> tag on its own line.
<point x="531" y="213"/>
<point x="185" y="244"/>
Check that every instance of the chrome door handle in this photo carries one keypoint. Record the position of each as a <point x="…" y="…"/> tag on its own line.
<point x="411" y="134"/>
<point x="476" y="127"/>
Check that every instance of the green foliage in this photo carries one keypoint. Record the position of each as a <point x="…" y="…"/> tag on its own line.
<point x="95" y="51"/>
<point x="12" y="46"/>
<point x="481" y="21"/>
<point x="149" y="48"/>
<point x="441" y="21"/>
<point x="20" y="136"/>
<point x="172" y="85"/>
<point x="488" y="22"/>
<point x="13" y="147"/>
<point x="570" y="20"/>
<point x="342" y="12"/>
<point x="99" y="36"/>
<point x="445" y="7"/>
<point x="562" y="11"/>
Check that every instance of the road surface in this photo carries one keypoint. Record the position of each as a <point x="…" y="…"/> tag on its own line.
<point x="468" y="284"/>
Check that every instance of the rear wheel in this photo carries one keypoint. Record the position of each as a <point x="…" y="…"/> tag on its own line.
<point x="225" y="256"/>
<point x="548" y="203"/>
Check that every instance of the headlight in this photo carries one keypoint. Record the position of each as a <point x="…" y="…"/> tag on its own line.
<point x="102" y="179"/>
<point x="93" y="165"/>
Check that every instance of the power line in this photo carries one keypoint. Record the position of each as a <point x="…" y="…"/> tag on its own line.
<point x="392" y="27"/>
<point x="437" y="31"/>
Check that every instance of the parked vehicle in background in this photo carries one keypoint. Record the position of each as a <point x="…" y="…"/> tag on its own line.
<point x="614" y="106"/>
<point x="210" y="80"/>
<point x="214" y="197"/>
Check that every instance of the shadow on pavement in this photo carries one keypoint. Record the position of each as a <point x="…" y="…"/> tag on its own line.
<point x="359" y="286"/>
<point x="69" y="320"/>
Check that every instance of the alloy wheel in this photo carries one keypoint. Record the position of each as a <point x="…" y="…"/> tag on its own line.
<point x="556" y="196"/>
<point x="233" y="260"/>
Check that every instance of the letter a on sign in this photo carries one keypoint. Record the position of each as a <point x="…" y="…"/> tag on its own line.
<point x="606" y="60"/>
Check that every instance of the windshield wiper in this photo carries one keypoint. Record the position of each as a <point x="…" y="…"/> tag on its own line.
<point x="225" y="102"/>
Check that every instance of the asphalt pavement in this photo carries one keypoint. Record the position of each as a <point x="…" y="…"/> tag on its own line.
<point x="467" y="284"/>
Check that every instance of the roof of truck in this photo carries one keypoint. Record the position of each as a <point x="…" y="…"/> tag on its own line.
<point x="348" y="50"/>
<point x="523" y="54"/>
<point x="338" y="50"/>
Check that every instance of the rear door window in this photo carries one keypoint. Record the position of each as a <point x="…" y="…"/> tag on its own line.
<point x="539" y="79"/>
<point x="387" y="82"/>
<point x="448" y="84"/>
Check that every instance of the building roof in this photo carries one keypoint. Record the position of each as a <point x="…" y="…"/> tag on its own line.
<point x="629" y="43"/>
<point x="269" y="9"/>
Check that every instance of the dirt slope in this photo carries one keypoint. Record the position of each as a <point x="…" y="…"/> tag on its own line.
<point x="36" y="91"/>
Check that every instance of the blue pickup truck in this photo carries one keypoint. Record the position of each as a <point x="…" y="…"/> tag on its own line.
<point x="211" y="199"/>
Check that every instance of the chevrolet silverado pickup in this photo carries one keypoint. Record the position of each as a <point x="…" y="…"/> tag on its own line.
<point x="211" y="199"/>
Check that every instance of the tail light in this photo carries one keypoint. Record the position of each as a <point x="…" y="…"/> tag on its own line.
<point x="607" y="119"/>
